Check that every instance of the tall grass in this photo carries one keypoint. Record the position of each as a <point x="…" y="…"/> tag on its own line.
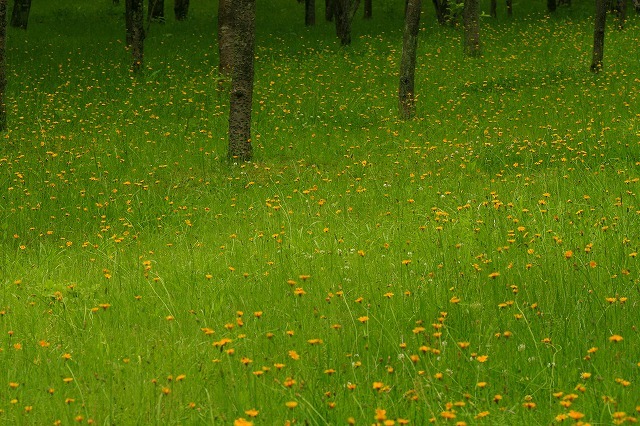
<point x="477" y="264"/>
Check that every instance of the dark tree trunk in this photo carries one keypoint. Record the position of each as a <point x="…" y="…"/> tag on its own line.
<point x="493" y="9"/>
<point x="181" y="9"/>
<point x="551" y="5"/>
<point x="135" y="15"/>
<point x="240" y="148"/>
<point x="368" y="9"/>
<point x="622" y="13"/>
<point x="328" y="10"/>
<point x="309" y="12"/>
<point x="442" y="10"/>
<point x="225" y="37"/>
<point x="156" y="11"/>
<point x="406" y="93"/>
<point x="509" y="7"/>
<point x="20" y="15"/>
<point x="343" y="11"/>
<point x="598" y="35"/>
<point x="128" y="21"/>
<point x="471" y="20"/>
<point x="3" y="73"/>
<point x="116" y="2"/>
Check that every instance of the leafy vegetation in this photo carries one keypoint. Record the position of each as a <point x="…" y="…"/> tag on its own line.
<point x="475" y="265"/>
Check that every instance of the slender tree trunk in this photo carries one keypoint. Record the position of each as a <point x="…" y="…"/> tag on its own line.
<point x="137" y="35"/>
<point x="240" y="147"/>
<point x="225" y="37"/>
<point x="328" y="10"/>
<point x="509" y="8"/>
<point x="343" y="11"/>
<point x="622" y="13"/>
<point x="20" y="14"/>
<point x="471" y="20"/>
<point x="181" y="9"/>
<point x="442" y="10"/>
<point x="598" y="35"/>
<point x="309" y="12"/>
<point x="368" y="9"/>
<point x="551" y="5"/>
<point x="493" y="9"/>
<point x="156" y="11"/>
<point x="3" y="72"/>
<point x="406" y="93"/>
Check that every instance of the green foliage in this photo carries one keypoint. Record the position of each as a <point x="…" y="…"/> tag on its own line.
<point x="477" y="262"/>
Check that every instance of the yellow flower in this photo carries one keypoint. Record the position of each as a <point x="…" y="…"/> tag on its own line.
<point x="242" y="422"/>
<point x="363" y="319"/>
<point x="482" y="358"/>
<point x="294" y="355"/>
<point x="616" y="338"/>
<point x="381" y="414"/>
<point x="291" y="404"/>
<point x="252" y="412"/>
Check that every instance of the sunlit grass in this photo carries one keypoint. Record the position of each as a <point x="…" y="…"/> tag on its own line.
<point x="476" y="265"/>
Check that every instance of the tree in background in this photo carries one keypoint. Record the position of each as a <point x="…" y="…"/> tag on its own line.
<point x="134" y="18"/>
<point x="343" y="12"/>
<point x="509" y="7"/>
<point x="471" y="21"/>
<point x="3" y="72"/>
<point x="368" y="9"/>
<point x="406" y="94"/>
<point x="181" y="9"/>
<point x="240" y="147"/>
<point x="598" y="35"/>
<point x="225" y="37"/>
<point x="443" y="11"/>
<point x="20" y="14"/>
<point x="309" y="12"/>
<point x="328" y="10"/>
<point x="551" y="5"/>
<point x="156" y="11"/>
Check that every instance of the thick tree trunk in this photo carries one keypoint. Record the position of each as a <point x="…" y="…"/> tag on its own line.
<point x="343" y="11"/>
<point x="471" y="20"/>
<point x="551" y="5"/>
<point x="136" y="11"/>
<point x="442" y="10"/>
<point x="598" y="35"/>
<point x="225" y="37"/>
<point x="493" y="8"/>
<point x="181" y="9"/>
<point x="3" y="72"/>
<point x="240" y="148"/>
<point x="20" y="14"/>
<point x="509" y="7"/>
<point x="156" y="11"/>
<point x="406" y="93"/>
<point x="309" y="12"/>
<point x="328" y="10"/>
<point x="368" y="9"/>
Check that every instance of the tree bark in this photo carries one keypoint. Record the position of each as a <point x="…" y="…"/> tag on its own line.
<point x="3" y="72"/>
<point x="509" y="7"/>
<point x="156" y="11"/>
<point x="225" y="37"/>
<point x="343" y="11"/>
<point x="406" y="93"/>
<point x="309" y="12"/>
<point x="135" y="14"/>
<point x="181" y="9"/>
<point x="240" y="147"/>
<point x="622" y="13"/>
<point x="328" y="10"/>
<point x="551" y="5"/>
<point x="442" y="10"/>
<point x="598" y="35"/>
<point x="471" y="20"/>
<point x="368" y="9"/>
<point x="493" y="9"/>
<point x="20" y="14"/>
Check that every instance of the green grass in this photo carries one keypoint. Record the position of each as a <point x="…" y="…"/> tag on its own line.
<point x="465" y="263"/>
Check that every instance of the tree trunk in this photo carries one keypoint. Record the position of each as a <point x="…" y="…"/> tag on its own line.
<point x="225" y="37"/>
<point x="406" y="93"/>
<point x="3" y="73"/>
<point x="622" y="13"/>
<point x="309" y="12"/>
<point x="551" y="5"/>
<point x="343" y="11"/>
<point x="181" y="9"/>
<point x="509" y="7"/>
<point x="328" y="10"/>
<point x="20" y="15"/>
<point x="493" y="9"/>
<point x="135" y="15"/>
<point x="368" y="9"/>
<point x="442" y="10"/>
<point x="471" y="19"/>
<point x="240" y="148"/>
<point x="156" y="11"/>
<point x="598" y="35"/>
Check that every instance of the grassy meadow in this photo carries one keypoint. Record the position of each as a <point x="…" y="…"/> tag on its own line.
<point x="476" y="265"/>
